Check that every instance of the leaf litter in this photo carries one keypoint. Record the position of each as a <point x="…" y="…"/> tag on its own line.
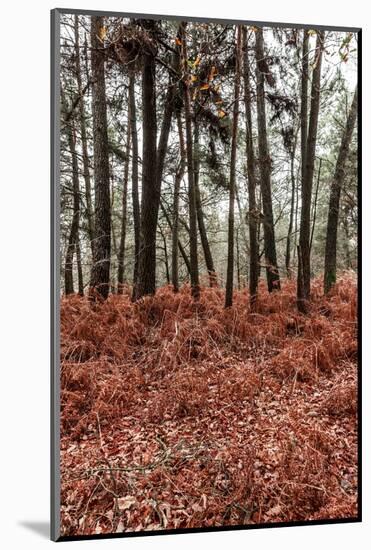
<point x="182" y="415"/>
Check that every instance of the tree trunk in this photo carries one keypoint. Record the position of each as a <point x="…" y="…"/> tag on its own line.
<point x="200" y="215"/>
<point x="153" y="163"/>
<point x="314" y="215"/>
<point x="73" y="238"/>
<point x="175" y="229"/>
<point x="121" y="253"/>
<point x="238" y="264"/>
<point x="195" y="286"/>
<point x="79" y="266"/>
<point x="292" y="208"/>
<point x="251" y="177"/>
<point x="166" y="255"/>
<point x="334" y="202"/>
<point x="303" y="287"/>
<point x="345" y="224"/>
<point x="232" y="176"/>
<point x="150" y="192"/>
<point x="134" y="178"/>
<point x="273" y="278"/>
<point x="180" y="246"/>
<point x="100" y="273"/>
<point x="84" y="141"/>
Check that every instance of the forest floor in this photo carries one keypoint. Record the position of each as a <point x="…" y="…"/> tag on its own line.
<point x="177" y="415"/>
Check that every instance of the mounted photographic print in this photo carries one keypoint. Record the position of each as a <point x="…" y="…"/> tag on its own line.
<point x="205" y="260"/>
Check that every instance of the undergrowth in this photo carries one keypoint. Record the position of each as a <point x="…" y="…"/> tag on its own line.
<point x="177" y="414"/>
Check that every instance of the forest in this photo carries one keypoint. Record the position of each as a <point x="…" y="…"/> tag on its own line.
<point x="208" y="274"/>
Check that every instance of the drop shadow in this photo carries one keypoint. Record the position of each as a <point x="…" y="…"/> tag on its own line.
<point x="41" y="528"/>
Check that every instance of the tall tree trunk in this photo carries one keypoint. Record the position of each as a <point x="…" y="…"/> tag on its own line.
<point x="273" y="278"/>
<point x="200" y="215"/>
<point x="251" y="178"/>
<point x="175" y="229"/>
<point x="304" y="103"/>
<point x="195" y="285"/>
<point x="232" y="176"/>
<point x="242" y="231"/>
<point x="345" y="224"/>
<point x="79" y="266"/>
<point x="121" y="252"/>
<point x="314" y="215"/>
<point x="238" y="264"/>
<point x="84" y="141"/>
<point x="165" y="131"/>
<point x="100" y="273"/>
<point x="150" y="191"/>
<point x="166" y="255"/>
<point x="73" y="238"/>
<point x="292" y="209"/>
<point x="153" y="163"/>
<point x="180" y="246"/>
<point x="334" y="202"/>
<point x="134" y="178"/>
<point x="303" y="286"/>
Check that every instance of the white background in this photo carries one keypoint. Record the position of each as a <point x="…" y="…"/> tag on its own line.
<point x="24" y="271"/>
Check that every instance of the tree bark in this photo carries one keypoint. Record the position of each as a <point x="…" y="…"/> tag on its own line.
<point x="153" y="164"/>
<point x="195" y="285"/>
<point x="84" y="141"/>
<point x="134" y="178"/>
<point x="79" y="266"/>
<point x="232" y="176"/>
<point x="273" y="278"/>
<point x="175" y="229"/>
<point x="251" y="179"/>
<point x="200" y="215"/>
<point x="150" y="191"/>
<point x="121" y="252"/>
<point x="100" y="273"/>
<point x="292" y="209"/>
<point x="180" y="246"/>
<point x="334" y="202"/>
<point x="303" y="286"/>
<point x="73" y="239"/>
<point x="314" y="215"/>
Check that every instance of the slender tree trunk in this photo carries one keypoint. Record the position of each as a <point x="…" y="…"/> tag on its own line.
<point x="84" y="141"/>
<point x="334" y="202"/>
<point x="296" y="214"/>
<point x="304" y="103"/>
<point x="195" y="285"/>
<point x="200" y="215"/>
<point x="232" y="177"/>
<point x="100" y="273"/>
<point x="73" y="238"/>
<point x="121" y="253"/>
<point x="238" y="264"/>
<point x="242" y="231"/>
<point x="134" y="178"/>
<point x="304" y="271"/>
<point x="175" y="229"/>
<point x="79" y="266"/>
<point x="165" y="131"/>
<point x="166" y="255"/>
<point x="347" y="238"/>
<point x="273" y="278"/>
<point x="292" y="208"/>
<point x="251" y="177"/>
<point x="314" y="216"/>
<point x="180" y="246"/>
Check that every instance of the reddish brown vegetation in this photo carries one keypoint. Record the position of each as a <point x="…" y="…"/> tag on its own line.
<point x="176" y="414"/>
